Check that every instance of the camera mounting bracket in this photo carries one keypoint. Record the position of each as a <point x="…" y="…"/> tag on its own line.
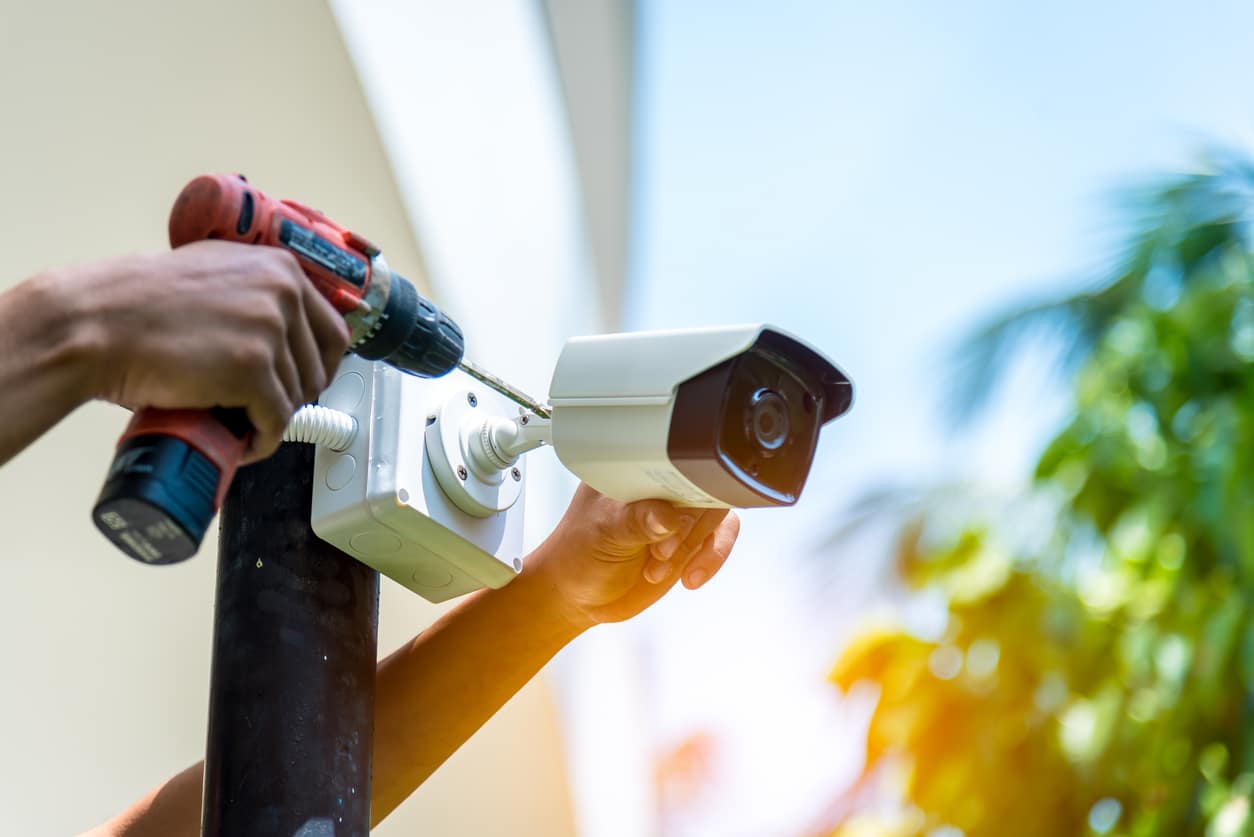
<point x="475" y="484"/>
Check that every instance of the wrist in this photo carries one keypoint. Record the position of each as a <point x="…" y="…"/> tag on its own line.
<point x="101" y="327"/>
<point x="65" y="342"/>
<point x="546" y="596"/>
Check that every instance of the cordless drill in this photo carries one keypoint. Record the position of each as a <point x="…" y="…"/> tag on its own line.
<point x="173" y="467"/>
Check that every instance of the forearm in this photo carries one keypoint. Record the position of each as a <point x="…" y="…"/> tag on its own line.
<point x="45" y="362"/>
<point x="438" y="689"/>
<point x="170" y="810"/>
<point x="432" y="694"/>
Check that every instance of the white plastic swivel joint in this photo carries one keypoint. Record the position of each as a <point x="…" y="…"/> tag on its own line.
<point x="501" y="441"/>
<point x="475" y="456"/>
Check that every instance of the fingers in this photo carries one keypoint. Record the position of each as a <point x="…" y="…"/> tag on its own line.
<point x="713" y="553"/>
<point x="707" y="523"/>
<point x="656" y="521"/>
<point x="300" y="301"/>
<point x="290" y="376"/>
<point x="313" y="337"/>
<point x="698" y="560"/>
<point x="690" y="534"/>
<point x="269" y="415"/>
<point x="259" y="335"/>
<point x="308" y="359"/>
<point x="327" y="331"/>
<point x="676" y="550"/>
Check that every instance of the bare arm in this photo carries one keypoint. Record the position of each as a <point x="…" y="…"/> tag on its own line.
<point x="434" y="692"/>
<point x="605" y="562"/>
<point x="45" y="364"/>
<point x="172" y="809"/>
<point x="212" y="323"/>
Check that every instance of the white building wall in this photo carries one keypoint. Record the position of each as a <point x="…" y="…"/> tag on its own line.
<point x="108" y="109"/>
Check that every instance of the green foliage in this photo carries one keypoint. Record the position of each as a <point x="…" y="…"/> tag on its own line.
<point x="1181" y="225"/>
<point x="1101" y="679"/>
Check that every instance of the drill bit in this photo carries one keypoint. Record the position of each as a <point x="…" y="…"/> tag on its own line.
<point x="509" y="391"/>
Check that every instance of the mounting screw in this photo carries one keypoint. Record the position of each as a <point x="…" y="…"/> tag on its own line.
<point x="461" y="472"/>
<point x="516" y="474"/>
<point x="472" y="399"/>
<point x="523" y="420"/>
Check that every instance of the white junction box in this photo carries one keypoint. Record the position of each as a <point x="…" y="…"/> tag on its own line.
<point x="381" y="500"/>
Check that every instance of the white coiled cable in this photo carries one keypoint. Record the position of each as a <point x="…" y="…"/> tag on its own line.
<point x="318" y="425"/>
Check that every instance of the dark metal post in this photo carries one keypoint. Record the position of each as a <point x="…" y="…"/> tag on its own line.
<point x="291" y="702"/>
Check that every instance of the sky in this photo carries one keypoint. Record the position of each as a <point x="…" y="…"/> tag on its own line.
<point x="878" y="178"/>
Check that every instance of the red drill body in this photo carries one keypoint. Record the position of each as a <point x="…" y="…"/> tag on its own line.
<point x="229" y="208"/>
<point x="173" y="467"/>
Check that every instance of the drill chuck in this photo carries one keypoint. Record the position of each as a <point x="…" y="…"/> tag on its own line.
<point x="413" y="335"/>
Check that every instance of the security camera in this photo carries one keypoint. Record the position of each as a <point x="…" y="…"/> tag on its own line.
<point x="712" y="417"/>
<point x="427" y="484"/>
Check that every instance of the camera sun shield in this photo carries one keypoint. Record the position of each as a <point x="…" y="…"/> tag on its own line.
<point x="747" y="429"/>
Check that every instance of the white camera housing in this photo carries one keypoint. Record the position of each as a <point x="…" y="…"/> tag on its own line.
<point x="710" y="417"/>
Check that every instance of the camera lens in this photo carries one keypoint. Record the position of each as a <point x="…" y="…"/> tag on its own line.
<point x="767" y="422"/>
<point x="744" y="430"/>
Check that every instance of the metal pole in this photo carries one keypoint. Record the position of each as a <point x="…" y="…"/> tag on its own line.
<point x="291" y="700"/>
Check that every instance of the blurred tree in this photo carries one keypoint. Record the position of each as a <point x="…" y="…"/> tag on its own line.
<point x="1097" y="672"/>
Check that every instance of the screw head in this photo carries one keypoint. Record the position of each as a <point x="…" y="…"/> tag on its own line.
<point x="472" y="399"/>
<point x="516" y="474"/>
<point x="461" y="472"/>
<point x="523" y="420"/>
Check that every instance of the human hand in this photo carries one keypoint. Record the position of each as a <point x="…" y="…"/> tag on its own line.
<point x="212" y="323"/>
<point x="607" y="561"/>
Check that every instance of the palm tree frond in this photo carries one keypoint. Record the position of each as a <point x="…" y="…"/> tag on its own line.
<point x="1183" y="225"/>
